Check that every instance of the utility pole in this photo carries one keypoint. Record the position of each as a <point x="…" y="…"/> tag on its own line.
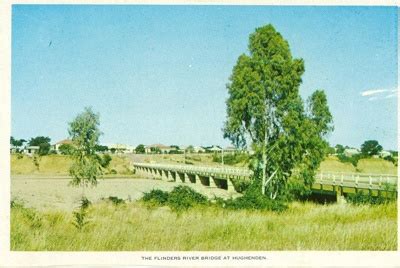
<point x="222" y="150"/>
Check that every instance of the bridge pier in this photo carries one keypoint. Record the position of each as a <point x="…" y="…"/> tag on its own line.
<point x="197" y="179"/>
<point x="339" y="195"/>
<point x="230" y="187"/>
<point x="186" y="178"/>
<point x="211" y="182"/>
<point x="179" y="178"/>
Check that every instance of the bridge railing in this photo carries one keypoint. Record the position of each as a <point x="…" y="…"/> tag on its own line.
<point x="369" y="181"/>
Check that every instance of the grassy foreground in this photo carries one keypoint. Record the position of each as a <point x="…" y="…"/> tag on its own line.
<point x="135" y="227"/>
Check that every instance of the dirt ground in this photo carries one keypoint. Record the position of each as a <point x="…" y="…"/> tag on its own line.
<point x="55" y="192"/>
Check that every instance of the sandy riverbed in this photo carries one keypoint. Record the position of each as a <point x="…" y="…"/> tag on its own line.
<point x="54" y="192"/>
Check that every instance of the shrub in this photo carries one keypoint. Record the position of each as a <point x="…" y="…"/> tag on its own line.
<point x="253" y="201"/>
<point x="360" y="199"/>
<point x="240" y="185"/>
<point x="296" y="190"/>
<point x="156" y="196"/>
<point x="184" y="197"/>
<point x="180" y="198"/>
<point x="115" y="200"/>
<point x="105" y="160"/>
<point x="80" y="219"/>
<point x="350" y="159"/>
<point x="84" y="203"/>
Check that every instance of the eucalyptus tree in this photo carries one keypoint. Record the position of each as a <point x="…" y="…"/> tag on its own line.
<point x="84" y="133"/>
<point x="265" y="111"/>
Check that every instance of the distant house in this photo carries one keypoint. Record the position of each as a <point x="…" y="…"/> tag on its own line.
<point x="385" y="154"/>
<point x="157" y="148"/>
<point x="31" y="150"/>
<point x="56" y="146"/>
<point x="198" y="149"/>
<point x="351" y="151"/>
<point x="214" y="149"/>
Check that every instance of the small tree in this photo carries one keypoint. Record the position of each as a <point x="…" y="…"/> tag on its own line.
<point x="140" y="149"/>
<point x="339" y="149"/>
<point x="66" y="149"/>
<point x="84" y="133"/>
<point x="370" y="148"/>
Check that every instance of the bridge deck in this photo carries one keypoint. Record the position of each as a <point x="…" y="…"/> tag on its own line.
<point x="375" y="182"/>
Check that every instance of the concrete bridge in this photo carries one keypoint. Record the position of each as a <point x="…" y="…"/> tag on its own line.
<point x="221" y="177"/>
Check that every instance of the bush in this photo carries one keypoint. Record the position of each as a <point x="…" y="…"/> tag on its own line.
<point x="105" y="160"/>
<point x="240" y="185"/>
<point x="184" y="197"/>
<point x="156" y="196"/>
<point x="360" y="199"/>
<point x="296" y="190"/>
<point x="115" y="200"/>
<point x="350" y="159"/>
<point x="180" y="198"/>
<point x="253" y="201"/>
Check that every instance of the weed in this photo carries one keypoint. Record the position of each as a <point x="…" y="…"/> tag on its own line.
<point x="80" y="219"/>
<point x="115" y="200"/>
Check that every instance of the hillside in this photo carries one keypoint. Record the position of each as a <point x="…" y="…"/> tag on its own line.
<point x="59" y="165"/>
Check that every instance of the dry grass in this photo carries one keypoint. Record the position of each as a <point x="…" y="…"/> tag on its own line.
<point x="133" y="227"/>
<point x="59" y="165"/>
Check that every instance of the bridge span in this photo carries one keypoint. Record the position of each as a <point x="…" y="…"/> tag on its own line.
<point x="221" y="177"/>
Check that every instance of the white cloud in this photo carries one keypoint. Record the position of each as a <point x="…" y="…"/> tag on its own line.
<point x="373" y="92"/>
<point x="378" y="94"/>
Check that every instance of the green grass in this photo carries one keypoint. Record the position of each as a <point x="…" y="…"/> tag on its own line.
<point x="135" y="227"/>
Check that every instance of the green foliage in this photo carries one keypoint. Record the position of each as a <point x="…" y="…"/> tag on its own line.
<point x="101" y="148"/>
<point x="296" y="190"/>
<point x="84" y="132"/>
<point x="265" y="108"/>
<point x="104" y="160"/>
<point x="252" y="200"/>
<point x="155" y="150"/>
<point x="66" y="149"/>
<point x="36" y="161"/>
<point x="339" y="149"/>
<point x="80" y="219"/>
<point x="330" y="151"/>
<point x="180" y="198"/>
<point x="190" y="149"/>
<point x="390" y="158"/>
<point x="42" y="142"/>
<point x="140" y="149"/>
<point x="84" y="203"/>
<point x="16" y="142"/>
<point x="361" y="199"/>
<point x="240" y="185"/>
<point x="115" y="200"/>
<point x="371" y="147"/>
<point x="350" y="159"/>
<point x="184" y="197"/>
<point x="231" y="159"/>
<point x="156" y="196"/>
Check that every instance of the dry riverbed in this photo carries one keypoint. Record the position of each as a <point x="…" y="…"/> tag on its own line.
<point x="55" y="192"/>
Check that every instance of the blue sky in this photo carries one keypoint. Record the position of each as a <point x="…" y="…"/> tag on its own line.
<point x="157" y="74"/>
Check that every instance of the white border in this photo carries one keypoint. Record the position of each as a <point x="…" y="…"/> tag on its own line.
<point x="274" y="258"/>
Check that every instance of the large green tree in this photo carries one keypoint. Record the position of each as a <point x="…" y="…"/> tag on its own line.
<point x="371" y="147"/>
<point x="84" y="133"/>
<point x="265" y="111"/>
